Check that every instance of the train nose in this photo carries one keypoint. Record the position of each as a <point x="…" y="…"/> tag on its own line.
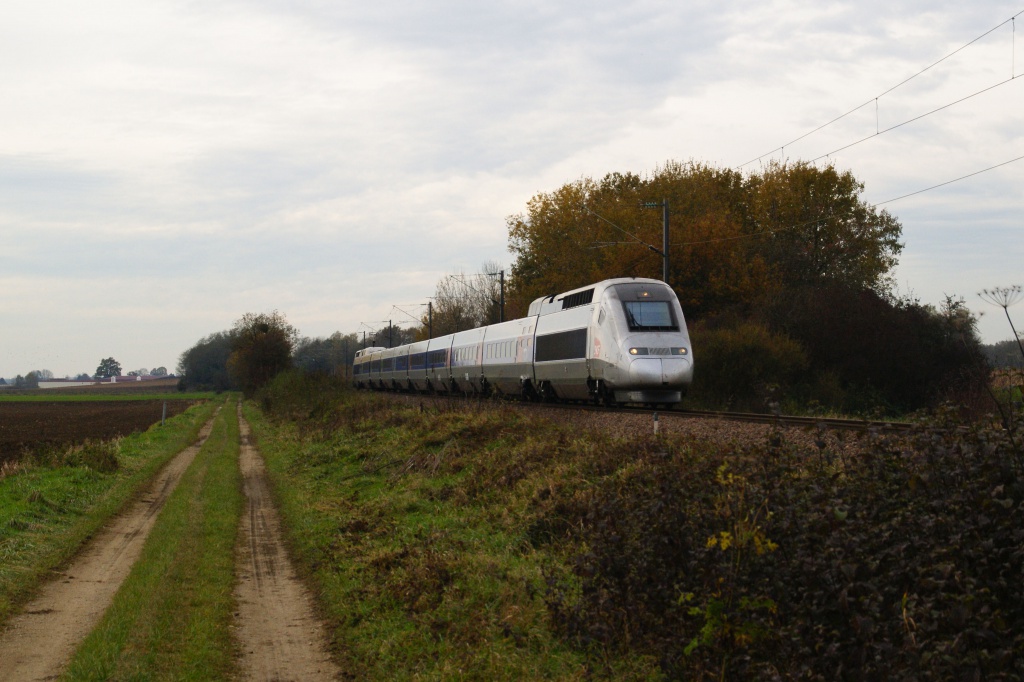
<point x="675" y="371"/>
<point x="660" y="371"/>
<point x="645" y="372"/>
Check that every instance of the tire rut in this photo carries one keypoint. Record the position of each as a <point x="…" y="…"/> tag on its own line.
<point x="276" y="626"/>
<point x="39" y="642"/>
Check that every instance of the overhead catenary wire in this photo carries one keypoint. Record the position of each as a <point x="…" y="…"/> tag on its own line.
<point x="401" y="309"/>
<point x="874" y="99"/>
<point x="949" y="182"/>
<point x="911" y="120"/>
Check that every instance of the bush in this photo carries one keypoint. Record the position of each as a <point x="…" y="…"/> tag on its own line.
<point x="739" y="363"/>
<point x="297" y="396"/>
<point x="100" y="456"/>
<point x="898" y="356"/>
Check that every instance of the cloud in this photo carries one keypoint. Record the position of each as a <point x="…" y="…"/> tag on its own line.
<point x="333" y="159"/>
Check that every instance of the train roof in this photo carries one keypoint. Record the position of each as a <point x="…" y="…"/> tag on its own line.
<point x="584" y="295"/>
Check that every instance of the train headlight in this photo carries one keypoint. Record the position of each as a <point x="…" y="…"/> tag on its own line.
<point x="681" y="351"/>
<point x="638" y="351"/>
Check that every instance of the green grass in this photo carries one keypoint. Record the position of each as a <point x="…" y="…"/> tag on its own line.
<point x="421" y="573"/>
<point x="171" y="618"/>
<point x="46" y="514"/>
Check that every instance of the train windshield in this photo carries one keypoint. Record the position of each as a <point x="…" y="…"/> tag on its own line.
<point x="650" y="316"/>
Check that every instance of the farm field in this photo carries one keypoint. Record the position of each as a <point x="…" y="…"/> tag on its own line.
<point x="34" y="425"/>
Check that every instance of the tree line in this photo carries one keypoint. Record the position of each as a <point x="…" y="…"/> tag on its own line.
<point x="785" y="276"/>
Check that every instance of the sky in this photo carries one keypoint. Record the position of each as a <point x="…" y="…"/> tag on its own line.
<point x="167" y="166"/>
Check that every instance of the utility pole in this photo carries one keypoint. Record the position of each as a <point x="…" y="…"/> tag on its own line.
<point x="664" y="237"/>
<point x="501" y="296"/>
<point x="430" y="319"/>
<point x="664" y="247"/>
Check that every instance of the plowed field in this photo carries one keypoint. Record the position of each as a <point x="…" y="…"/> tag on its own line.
<point x="35" y="425"/>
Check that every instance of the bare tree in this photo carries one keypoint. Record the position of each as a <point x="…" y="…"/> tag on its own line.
<point x="466" y="301"/>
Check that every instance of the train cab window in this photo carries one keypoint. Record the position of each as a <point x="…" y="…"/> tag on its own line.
<point x="650" y="316"/>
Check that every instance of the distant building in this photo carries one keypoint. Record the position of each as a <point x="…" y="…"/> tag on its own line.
<point x="137" y="377"/>
<point x="65" y="383"/>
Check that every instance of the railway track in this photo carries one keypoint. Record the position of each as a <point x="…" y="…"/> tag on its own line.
<point x="794" y="421"/>
<point x="791" y="420"/>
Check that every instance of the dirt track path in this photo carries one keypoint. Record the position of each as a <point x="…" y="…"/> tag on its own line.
<point x="281" y="638"/>
<point x="38" y="643"/>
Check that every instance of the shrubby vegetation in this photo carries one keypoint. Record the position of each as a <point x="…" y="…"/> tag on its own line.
<point x="743" y="364"/>
<point x="847" y="350"/>
<point x="896" y="563"/>
<point x="455" y="535"/>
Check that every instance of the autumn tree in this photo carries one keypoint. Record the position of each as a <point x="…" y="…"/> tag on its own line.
<point x="586" y="231"/>
<point x="262" y="347"/>
<point x="813" y="228"/>
<point x="734" y="240"/>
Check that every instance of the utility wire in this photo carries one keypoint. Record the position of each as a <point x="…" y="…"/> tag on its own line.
<point x="901" y="83"/>
<point x="632" y="236"/>
<point x="949" y="182"/>
<point x="911" y="120"/>
<point x="407" y="313"/>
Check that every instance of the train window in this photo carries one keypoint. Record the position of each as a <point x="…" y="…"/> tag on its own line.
<point x="650" y="316"/>
<point x="562" y="345"/>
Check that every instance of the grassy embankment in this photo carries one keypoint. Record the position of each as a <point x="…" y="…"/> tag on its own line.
<point x="47" y="512"/>
<point x="474" y="541"/>
<point x="421" y="563"/>
<point x="171" y="618"/>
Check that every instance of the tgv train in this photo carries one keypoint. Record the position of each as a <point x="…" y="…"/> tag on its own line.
<point x="616" y="341"/>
